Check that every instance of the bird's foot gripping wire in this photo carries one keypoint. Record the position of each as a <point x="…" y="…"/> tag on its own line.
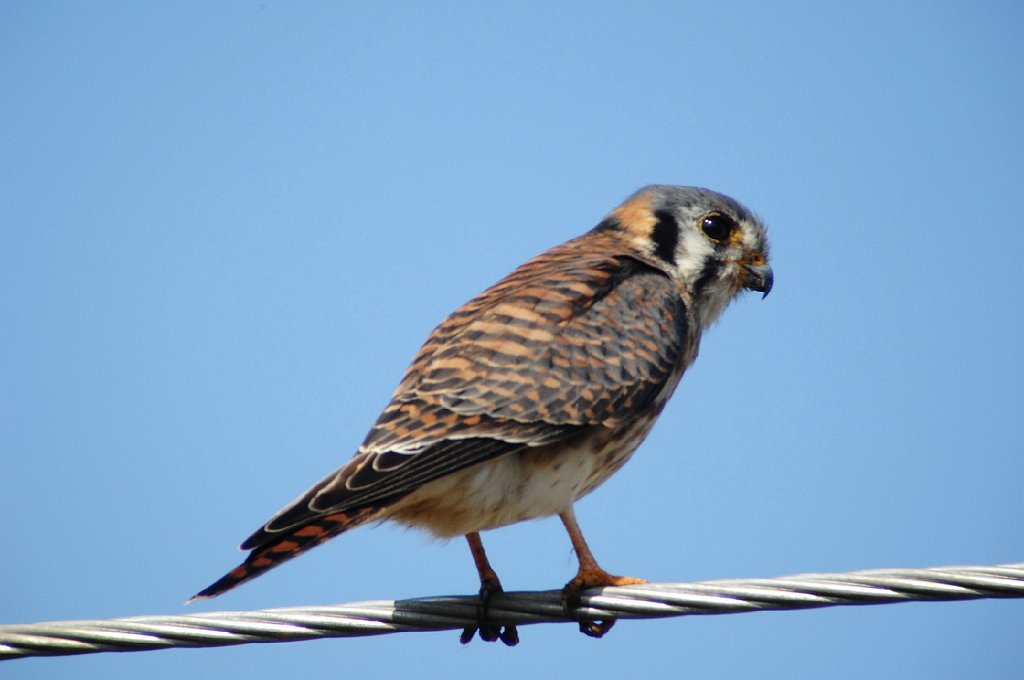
<point x="489" y="630"/>
<point x="594" y="628"/>
<point x="573" y="590"/>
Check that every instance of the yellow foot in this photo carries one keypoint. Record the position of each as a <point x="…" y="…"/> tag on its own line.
<point x="593" y="578"/>
<point x="596" y="578"/>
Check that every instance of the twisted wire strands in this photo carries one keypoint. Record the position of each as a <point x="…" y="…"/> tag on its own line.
<point x="651" y="600"/>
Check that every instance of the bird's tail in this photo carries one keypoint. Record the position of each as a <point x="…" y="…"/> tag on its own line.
<point x="279" y="547"/>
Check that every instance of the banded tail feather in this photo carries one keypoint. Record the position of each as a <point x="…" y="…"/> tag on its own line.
<point x="278" y="548"/>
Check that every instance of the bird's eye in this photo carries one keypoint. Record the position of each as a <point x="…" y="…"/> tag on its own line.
<point x="717" y="226"/>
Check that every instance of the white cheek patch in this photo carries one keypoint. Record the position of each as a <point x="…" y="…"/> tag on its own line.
<point x="692" y="258"/>
<point x="691" y="253"/>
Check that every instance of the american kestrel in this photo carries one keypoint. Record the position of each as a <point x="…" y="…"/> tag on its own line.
<point x="533" y="393"/>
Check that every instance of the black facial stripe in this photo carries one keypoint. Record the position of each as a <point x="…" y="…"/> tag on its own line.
<point x="709" y="273"/>
<point x="665" y="236"/>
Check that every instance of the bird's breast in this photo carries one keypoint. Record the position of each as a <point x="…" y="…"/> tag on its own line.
<point x="526" y="484"/>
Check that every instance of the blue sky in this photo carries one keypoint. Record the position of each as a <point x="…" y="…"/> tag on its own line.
<point x="226" y="228"/>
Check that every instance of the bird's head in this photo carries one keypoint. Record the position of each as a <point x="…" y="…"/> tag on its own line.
<point x="709" y="243"/>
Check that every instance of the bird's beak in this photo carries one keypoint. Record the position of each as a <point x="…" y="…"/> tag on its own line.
<point x="759" y="277"/>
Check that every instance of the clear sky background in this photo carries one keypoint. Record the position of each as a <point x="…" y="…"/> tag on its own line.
<point x="225" y="228"/>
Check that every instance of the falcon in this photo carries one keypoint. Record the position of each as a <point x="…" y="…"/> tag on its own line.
<point x="533" y="393"/>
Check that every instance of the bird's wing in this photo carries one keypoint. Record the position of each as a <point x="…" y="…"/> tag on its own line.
<point x="568" y="341"/>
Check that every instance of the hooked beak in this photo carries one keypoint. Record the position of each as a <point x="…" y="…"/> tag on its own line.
<point x="759" y="277"/>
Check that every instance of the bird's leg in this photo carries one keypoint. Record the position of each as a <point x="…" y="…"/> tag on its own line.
<point x="489" y="585"/>
<point x="590" y="575"/>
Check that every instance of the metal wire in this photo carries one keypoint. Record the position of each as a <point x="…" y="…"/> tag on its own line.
<point x="652" y="600"/>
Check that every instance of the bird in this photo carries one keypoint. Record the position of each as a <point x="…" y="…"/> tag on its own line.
<point x="536" y="391"/>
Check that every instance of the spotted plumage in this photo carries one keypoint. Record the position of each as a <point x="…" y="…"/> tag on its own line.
<point x="531" y="394"/>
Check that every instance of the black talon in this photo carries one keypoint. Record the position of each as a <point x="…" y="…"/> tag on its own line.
<point x="489" y="632"/>
<point x="597" y="628"/>
<point x="467" y="634"/>
<point x="573" y="601"/>
<point x="510" y="636"/>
